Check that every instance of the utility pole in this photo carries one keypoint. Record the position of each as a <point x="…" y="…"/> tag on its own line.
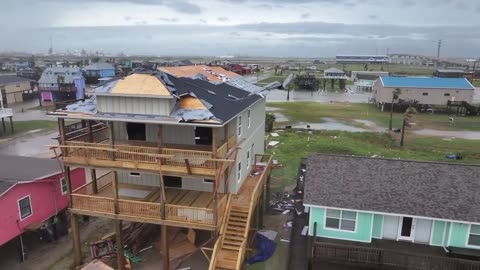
<point x="439" y="48"/>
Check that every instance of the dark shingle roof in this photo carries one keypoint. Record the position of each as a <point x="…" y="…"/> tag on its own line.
<point x="437" y="190"/>
<point x="8" y="79"/>
<point x="227" y="101"/>
<point x="23" y="169"/>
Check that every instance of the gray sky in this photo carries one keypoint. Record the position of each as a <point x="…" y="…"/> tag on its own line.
<point x="288" y="28"/>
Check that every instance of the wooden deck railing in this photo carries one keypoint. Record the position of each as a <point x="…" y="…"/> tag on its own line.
<point x="222" y="150"/>
<point x="139" y="154"/>
<point x="102" y="182"/>
<point x="384" y="257"/>
<point x="139" y="209"/>
<point x="232" y="141"/>
<point x="92" y="203"/>
<point x="189" y="214"/>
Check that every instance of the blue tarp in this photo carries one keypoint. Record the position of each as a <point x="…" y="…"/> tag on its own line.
<point x="265" y="249"/>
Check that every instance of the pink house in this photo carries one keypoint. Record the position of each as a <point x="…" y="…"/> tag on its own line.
<point x="32" y="190"/>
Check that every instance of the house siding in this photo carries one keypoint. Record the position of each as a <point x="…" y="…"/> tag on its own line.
<point x="135" y="105"/>
<point x="363" y="231"/>
<point x="377" y="226"/>
<point x="435" y="96"/>
<point x="438" y="234"/>
<point x="459" y="235"/>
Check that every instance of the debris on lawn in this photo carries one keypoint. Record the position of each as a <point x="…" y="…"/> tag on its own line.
<point x="454" y="157"/>
<point x="284" y="240"/>
<point x="274" y="134"/>
<point x="287" y="226"/>
<point x="273" y="143"/>
<point x="272" y="235"/>
<point x="277" y="164"/>
<point x="282" y="201"/>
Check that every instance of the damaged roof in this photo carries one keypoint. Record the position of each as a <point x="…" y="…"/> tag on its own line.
<point x="51" y="75"/>
<point x="213" y="74"/>
<point x="197" y="100"/>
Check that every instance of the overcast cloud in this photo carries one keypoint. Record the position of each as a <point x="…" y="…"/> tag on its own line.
<point x="306" y="28"/>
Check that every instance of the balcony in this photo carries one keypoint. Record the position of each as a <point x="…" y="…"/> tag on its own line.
<point x="184" y="208"/>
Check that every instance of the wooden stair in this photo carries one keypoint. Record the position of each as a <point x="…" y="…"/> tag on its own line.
<point x="234" y="235"/>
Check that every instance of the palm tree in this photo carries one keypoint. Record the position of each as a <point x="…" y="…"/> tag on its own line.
<point x="407" y="116"/>
<point x="395" y="94"/>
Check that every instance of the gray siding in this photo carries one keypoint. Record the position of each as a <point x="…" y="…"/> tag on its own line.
<point x="254" y="136"/>
<point x="170" y="134"/>
<point x="135" y="105"/>
<point x="435" y="96"/>
<point x="145" y="179"/>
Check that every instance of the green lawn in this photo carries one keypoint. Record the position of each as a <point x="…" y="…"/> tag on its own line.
<point x="25" y="126"/>
<point x="294" y="145"/>
<point x="313" y="112"/>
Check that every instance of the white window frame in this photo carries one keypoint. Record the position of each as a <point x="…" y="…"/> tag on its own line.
<point x="239" y="125"/>
<point x="209" y="182"/>
<point x="61" y="186"/>
<point x="20" y="210"/>
<point x="468" y="236"/>
<point x="248" y="159"/>
<point x="249" y="116"/>
<point x="239" y="171"/>
<point x="340" y="221"/>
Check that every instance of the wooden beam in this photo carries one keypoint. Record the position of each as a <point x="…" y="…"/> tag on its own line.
<point x="119" y="242"/>
<point x="163" y="196"/>
<point x="115" y="191"/>
<point x="77" y="251"/>
<point x="215" y="206"/>
<point x="189" y="169"/>
<point x="90" y="130"/>
<point x="164" y="248"/>
<point x="111" y="138"/>
<point x="93" y="174"/>
<point x="61" y="132"/>
<point x="214" y="142"/>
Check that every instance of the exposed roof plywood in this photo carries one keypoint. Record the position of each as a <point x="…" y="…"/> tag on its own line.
<point x="212" y="73"/>
<point x="191" y="103"/>
<point x="141" y="84"/>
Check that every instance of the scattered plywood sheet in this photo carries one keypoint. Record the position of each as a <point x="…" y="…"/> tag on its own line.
<point x="97" y="265"/>
<point x="191" y="103"/>
<point x="273" y="143"/>
<point x="274" y="134"/>
<point x="141" y="84"/>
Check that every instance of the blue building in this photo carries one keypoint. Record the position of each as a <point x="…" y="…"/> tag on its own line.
<point x="97" y="71"/>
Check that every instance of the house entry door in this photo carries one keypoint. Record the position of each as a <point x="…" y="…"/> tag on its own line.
<point x="406" y="230"/>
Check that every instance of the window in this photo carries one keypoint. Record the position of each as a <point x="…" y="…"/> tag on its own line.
<point x="249" y="118"/>
<point x="474" y="235"/>
<point x="239" y="171"/>
<point x="208" y="181"/>
<point x="248" y="159"/>
<point x="136" y="132"/>
<point x="172" y="181"/>
<point x="424" y="94"/>
<point x="239" y="125"/>
<point x="24" y="207"/>
<point x="340" y="220"/>
<point x="63" y="185"/>
<point x="203" y="136"/>
<point x="447" y="94"/>
<point x="135" y="174"/>
<point x="252" y="153"/>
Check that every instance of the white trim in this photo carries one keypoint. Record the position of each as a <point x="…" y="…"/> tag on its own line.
<point x="449" y="234"/>
<point x="371" y="231"/>
<point x="392" y="214"/>
<point x="239" y="126"/>
<point x="411" y="238"/>
<point x="431" y="234"/>
<point x="340" y="222"/>
<point x="239" y="171"/>
<point x="383" y="222"/>
<point x="249" y="117"/>
<point x="347" y="239"/>
<point x="468" y="237"/>
<point x="29" y="203"/>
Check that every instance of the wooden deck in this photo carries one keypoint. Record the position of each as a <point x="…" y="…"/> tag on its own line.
<point x="183" y="208"/>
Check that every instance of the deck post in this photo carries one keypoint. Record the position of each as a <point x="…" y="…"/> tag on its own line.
<point x="66" y="175"/>
<point x="163" y="197"/>
<point x="11" y="125"/>
<point x="77" y="249"/>
<point x="93" y="174"/>
<point x="90" y="131"/>
<point x="215" y="203"/>
<point x="214" y="142"/>
<point x="119" y="241"/>
<point x="226" y="176"/>
<point x="61" y="132"/>
<point x="111" y="139"/>
<point x="115" y="192"/>
<point x="164" y="248"/>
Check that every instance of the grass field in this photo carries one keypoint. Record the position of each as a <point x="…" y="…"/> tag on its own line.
<point x="25" y="126"/>
<point x="313" y="112"/>
<point x="294" y="145"/>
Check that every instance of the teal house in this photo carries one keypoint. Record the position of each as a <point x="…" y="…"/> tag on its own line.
<point x="370" y="201"/>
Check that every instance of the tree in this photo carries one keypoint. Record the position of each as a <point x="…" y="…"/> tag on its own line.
<point x="407" y="116"/>
<point x="395" y="94"/>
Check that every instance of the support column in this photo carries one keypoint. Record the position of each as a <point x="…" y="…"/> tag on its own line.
<point x="214" y="143"/>
<point x="164" y="248"/>
<point x="77" y="249"/>
<point x="11" y="125"/>
<point x="115" y="191"/>
<point x="66" y="175"/>
<point x="111" y="139"/>
<point x="21" y="249"/>
<point x="119" y="241"/>
<point x="215" y="204"/>
<point x="61" y="132"/>
<point x="90" y="131"/>
<point x="93" y="174"/>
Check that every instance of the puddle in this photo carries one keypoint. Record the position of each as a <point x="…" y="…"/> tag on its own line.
<point x="372" y="126"/>
<point x="30" y="146"/>
<point x="329" y="124"/>
<point x="468" y="135"/>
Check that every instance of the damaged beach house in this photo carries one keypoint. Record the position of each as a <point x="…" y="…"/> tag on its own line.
<point x="173" y="151"/>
